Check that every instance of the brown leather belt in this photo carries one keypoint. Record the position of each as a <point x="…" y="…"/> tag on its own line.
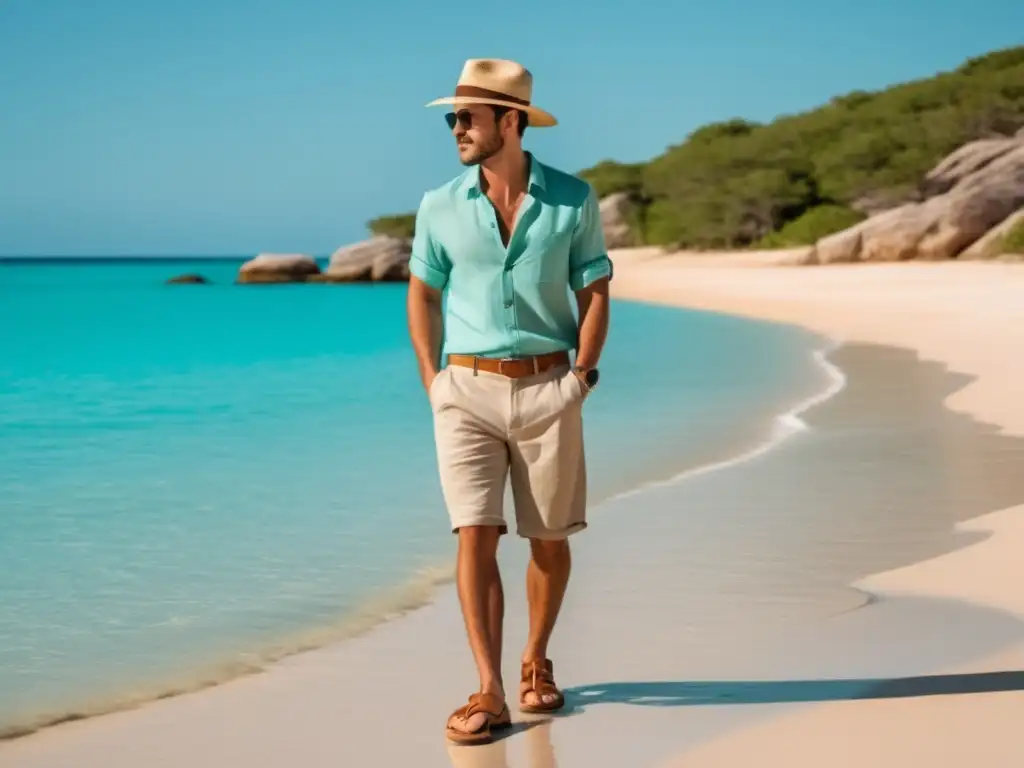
<point x="513" y="367"/>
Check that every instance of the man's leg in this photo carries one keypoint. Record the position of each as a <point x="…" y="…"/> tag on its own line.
<point x="483" y="609"/>
<point x="547" y="576"/>
<point x="549" y="486"/>
<point x="473" y="466"/>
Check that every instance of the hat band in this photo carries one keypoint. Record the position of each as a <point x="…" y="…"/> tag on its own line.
<point x="473" y="91"/>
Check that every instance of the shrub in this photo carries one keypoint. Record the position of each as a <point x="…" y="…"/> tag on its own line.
<point x="400" y="225"/>
<point x="1013" y="241"/>
<point x="609" y="177"/>
<point x="812" y="226"/>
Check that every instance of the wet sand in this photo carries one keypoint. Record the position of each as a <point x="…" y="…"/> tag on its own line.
<point x="727" y="618"/>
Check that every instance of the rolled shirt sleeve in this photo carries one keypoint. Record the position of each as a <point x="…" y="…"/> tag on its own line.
<point x="428" y="261"/>
<point x="588" y="255"/>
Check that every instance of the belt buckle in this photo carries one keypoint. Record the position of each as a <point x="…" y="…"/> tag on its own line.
<point x="501" y="364"/>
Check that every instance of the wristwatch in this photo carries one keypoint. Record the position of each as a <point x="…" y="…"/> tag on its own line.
<point x="589" y="376"/>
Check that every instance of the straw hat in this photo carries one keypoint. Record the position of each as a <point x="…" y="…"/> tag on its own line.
<point x="499" y="82"/>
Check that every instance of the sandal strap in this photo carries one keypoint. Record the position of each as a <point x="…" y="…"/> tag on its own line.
<point x="540" y="674"/>
<point x="487" y="703"/>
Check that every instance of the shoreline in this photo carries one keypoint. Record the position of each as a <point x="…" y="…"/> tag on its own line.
<point x="769" y="286"/>
<point x="305" y="685"/>
<point x="393" y="603"/>
<point x="783" y="426"/>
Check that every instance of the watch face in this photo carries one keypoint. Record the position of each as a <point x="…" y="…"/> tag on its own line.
<point x="592" y="377"/>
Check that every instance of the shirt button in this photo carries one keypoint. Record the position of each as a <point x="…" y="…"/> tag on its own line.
<point x="508" y="302"/>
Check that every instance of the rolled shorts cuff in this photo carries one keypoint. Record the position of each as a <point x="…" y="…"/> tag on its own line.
<point x="548" y="534"/>
<point x="470" y="520"/>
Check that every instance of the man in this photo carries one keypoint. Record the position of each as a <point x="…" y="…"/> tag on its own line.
<point x="508" y="241"/>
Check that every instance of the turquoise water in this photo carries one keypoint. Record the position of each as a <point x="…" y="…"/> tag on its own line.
<point x="192" y="475"/>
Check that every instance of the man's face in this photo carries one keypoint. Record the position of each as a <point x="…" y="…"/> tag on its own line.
<point x="477" y="133"/>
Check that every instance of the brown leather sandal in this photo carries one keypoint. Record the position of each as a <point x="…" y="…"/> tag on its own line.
<point x="538" y="676"/>
<point x="488" y="704"/>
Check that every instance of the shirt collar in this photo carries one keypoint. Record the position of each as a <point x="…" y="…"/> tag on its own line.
<point x="471" y="183"/>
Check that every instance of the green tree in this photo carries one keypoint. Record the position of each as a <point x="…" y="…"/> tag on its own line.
<point x="734" y="183"/>
<point x="609" y="177"/>
<point x="813" y="225"/>
<point x="401" y="225"/>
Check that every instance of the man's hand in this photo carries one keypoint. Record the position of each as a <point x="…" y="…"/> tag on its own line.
<point x="582" y="376"/>
<point x="427" y="377"/>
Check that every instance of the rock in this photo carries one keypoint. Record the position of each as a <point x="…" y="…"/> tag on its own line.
<point x="847" y="245"/>
<point x="991" y="244"/>
<point x="188" y="279"/>
<point x="984" y="187"/>
<point x="964" y="162"/>
<point x="618" y="215"/>
<point x="878" y="202"/>
<point x="278" y="268"/>
<point x="380" y="259"/>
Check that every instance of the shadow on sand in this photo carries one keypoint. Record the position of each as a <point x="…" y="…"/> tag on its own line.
<point x="689" y="694"/>
<point x="538" y="749"/>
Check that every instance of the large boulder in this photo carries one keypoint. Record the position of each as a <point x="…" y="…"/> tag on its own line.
<point x="618" y="217"/>
<point x="982" y="188"/>
<point x="278" y="268"/>
<point x="380" y="259"/>
<point x="964" y="162"/>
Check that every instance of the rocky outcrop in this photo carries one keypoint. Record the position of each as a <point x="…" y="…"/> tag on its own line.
<point x="278" y="268"/>
<point x="618" y="216"/>
<point x="379" y="259"/>
<point x="964" y="162"/>
<point x="883" y="200"/>
<point x="973" y="190"/>
<point x="188" y="279"/>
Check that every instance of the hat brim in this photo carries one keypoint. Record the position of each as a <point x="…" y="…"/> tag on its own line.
<point x="538" y="117"/>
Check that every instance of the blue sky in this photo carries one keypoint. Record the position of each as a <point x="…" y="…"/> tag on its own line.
<point x="238" y="126"/>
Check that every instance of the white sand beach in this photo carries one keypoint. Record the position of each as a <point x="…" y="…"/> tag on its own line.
<point x="832" y="694"/>
<point x="969" y="316"/>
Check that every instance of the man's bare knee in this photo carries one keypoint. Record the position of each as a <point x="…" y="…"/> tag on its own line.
<point x="550" y="553"/>
<point x="482" y="540"/>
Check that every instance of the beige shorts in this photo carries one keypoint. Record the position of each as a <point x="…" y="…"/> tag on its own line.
<point x="489" y="427"/>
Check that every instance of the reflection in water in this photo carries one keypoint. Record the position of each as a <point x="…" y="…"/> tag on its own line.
<point x="539" y="752"/>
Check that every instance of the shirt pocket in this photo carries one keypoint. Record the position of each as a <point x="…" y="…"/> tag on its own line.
<point x="546" y="258"/>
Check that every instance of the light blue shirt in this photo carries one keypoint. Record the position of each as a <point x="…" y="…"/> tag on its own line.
<point x="515" y="301"/>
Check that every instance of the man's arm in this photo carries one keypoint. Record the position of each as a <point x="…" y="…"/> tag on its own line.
<point x="429" y="269"/>
<point x="594" y="311"/>
<point x="423" y="306"/>
<point x="590" y="271"/>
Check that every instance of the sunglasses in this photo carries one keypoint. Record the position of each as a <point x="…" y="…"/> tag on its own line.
<point x="464" y="118"/>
